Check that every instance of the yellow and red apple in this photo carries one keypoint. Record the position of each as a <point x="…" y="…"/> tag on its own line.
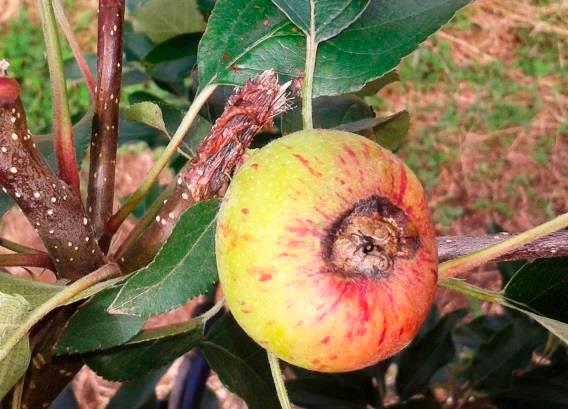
<point x="326" y="250"/>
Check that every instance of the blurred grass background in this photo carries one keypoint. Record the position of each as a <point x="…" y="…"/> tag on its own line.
<point x="488" y="98"/>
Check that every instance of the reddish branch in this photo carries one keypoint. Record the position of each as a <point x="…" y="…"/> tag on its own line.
<point x="26" y="260"/>
<point x="49" y="204"/>
<point x="60" y="220"/>
<point x="105" y="121"/>
<point x="248" y="111"/>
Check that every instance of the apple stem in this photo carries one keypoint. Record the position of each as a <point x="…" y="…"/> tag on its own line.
<point x="459" y="265"/>
<point x="311" y="54"/>
<point x="278" y="381"/>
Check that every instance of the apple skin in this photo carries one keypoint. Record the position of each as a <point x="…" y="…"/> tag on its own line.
<point x="275" y="222"/>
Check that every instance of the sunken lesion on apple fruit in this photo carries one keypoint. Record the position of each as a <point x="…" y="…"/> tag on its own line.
<point x="367" y="239"/>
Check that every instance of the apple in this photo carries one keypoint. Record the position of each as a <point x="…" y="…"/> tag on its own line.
<point x="326" y="250"/>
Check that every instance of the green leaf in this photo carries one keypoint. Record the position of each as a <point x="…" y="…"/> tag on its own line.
<point x="322" y="18"/>
<point x="172" y="116"/>
<point x="35" y="292"/>
<point x="5" y="203"/>
<point x="330" y="112"/>
<point x="373" y="87"/>
<point x="324" y="393"/>
<point x="240" y="363"/>
<point x="146" y="113"/>
<point x="173" y="60"/>
<point x="508" y="350"/>
<point x="14" y="310"/>
<point x="183" y="269"/>
<point x="541" y="387"/>
<point x="134" y="360"/>
<point x="390" y="131"/>
<point x="82" y="134"/>
<point x="377" y="41"/>
<point x="163" y="19"/>
<point x="134" y="394"/>
<point x="560" y="329"/>
<point x="243" y="38"/>
<point x="235" y="30"/>
<point x="92" y="328"/>
<point x="426" y="355"/>
<point x="543" y="287"/>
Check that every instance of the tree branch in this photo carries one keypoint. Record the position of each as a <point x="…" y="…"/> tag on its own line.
<point x="553" y="245"/>
<point x="105" y="122"/>
<point x="26" y="260"/>
<point x="248" y="111"/>
<point x="47" y="202"/>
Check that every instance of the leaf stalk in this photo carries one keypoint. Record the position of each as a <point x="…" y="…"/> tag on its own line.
<point x="62" y="127"/>
<point x="61" y="298"/>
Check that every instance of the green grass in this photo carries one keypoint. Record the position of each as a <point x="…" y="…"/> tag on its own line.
<point x="22" y="45"/>
<point x="502" y="104"/>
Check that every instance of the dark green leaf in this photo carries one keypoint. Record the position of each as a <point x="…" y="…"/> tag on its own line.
<point x="420" y="361"/>
<point x="542" y="286"/>
<point x="92" y="328"/>
<point x="206" y="6"/>
<point x="235" y="30"/>
<point x="387" y="132"/>
<point x="72" y="71"/>
<point x="136" y="45"/>
<point x="163" y="19"/>
<point x="35" y="292"/>
<point x="324" y="394"/>
<point x="183" y="269"/>
<point x="241" y="364"/>
<point x="244" y="37"/>
<point x="390" y="131"/>
<point x="173" y="60"/>
<point x="322" y="18"/>
<point x="507" y="269"/>
<point x="542" y="387"/>
<point x="134" y="360"/>
<point x="82" y="133"/>
<point x="329" y="112"/>
<point x="5" y="203"/>
<point x="134" y="394"/>
<point x="508" y="350"/>
<point x="373" y="87"/>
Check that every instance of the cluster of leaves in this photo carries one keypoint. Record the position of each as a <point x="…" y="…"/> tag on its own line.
<point x="164" y="41"/>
